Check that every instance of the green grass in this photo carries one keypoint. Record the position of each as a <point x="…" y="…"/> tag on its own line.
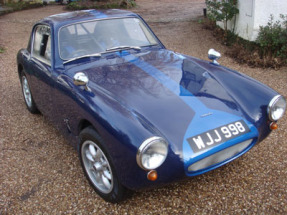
<point x="2" y="50"/>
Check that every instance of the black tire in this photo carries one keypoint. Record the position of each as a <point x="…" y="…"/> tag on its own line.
<point x="98" y="167"/>
<point x="28" y="98"/>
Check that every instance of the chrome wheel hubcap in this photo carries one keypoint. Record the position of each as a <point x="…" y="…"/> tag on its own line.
<point x="97" y="166"/>
<point x="26" y="91"/>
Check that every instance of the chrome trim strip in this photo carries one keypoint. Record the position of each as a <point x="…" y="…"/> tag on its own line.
<point x="32" y="44"/>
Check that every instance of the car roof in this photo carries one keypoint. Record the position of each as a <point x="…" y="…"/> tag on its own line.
<point x="62" y="19"/>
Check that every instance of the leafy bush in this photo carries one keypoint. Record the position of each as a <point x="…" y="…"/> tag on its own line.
<point x="272" y="38"/>
<point x="261" y="53"/>
<point x="101" y="4"/>
<point x="221" y="11"/>
<point x="23" y="5"/>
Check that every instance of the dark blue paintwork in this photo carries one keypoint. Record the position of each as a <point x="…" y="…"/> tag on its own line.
<point x="138" y="94"/>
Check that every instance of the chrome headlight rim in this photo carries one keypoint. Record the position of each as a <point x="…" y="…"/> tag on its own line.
<point x="271" y="106"/>
<point x="145" y="146"/>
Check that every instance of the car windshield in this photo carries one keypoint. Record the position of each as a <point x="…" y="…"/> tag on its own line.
<point x="100" y="36"/>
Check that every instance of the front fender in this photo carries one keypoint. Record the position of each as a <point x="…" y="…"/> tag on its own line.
<point x="121" y="129"/>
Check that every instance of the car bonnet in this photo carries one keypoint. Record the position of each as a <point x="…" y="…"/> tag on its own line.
<point x="173" y="95"/>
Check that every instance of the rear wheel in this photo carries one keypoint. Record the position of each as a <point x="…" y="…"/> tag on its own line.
<point x="28" y="98"/>
<point x="98" y="167"/>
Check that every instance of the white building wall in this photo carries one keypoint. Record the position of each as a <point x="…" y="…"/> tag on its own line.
<point x="253" y="14"/>
<point x="245" y="19"/>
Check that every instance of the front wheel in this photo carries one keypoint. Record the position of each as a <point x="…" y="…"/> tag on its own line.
<point x="29" y="101"/>
<point x="98" y="167"/>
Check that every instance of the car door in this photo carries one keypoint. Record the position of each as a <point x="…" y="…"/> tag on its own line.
<point x="40" y="68"/>
<point x="67" y="102"/>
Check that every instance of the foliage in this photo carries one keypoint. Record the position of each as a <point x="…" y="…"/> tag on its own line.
<point x="272" y="38"/>
<point x="101" y="4"/>
<point x="222" y="10"/>
<point x="227" y="38"/>
<point x="23" y="5"/>
<point x="248" y="52"/>
<point x="2" y="50"/>
<point x="200" y="21"/>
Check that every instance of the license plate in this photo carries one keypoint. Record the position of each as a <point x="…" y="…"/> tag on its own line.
<point x="217" y="136"/>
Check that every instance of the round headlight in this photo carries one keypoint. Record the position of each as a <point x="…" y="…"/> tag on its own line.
<point x="152" y="153"/>
<point x="276" y="108"/>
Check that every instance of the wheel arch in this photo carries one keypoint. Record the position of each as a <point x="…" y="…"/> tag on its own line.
<point x="20" y="69"/>
<point x="84" y="123"/>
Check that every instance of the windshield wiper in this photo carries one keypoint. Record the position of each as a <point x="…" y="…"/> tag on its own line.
<point x="83" y="56"/>
<point x="123" y="47"/>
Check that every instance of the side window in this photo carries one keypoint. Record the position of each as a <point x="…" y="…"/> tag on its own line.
<point x="42" y="44"/>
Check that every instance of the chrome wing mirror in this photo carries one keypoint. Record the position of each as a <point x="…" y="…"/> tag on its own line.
<point x="214" y="56"/>
<point x="80" y="79"/>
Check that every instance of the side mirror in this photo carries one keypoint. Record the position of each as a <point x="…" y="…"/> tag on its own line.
<point x="80" y="79"/>
<point x="214" y="56"/>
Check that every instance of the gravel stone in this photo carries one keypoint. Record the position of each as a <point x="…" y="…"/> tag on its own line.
<point x="40" y="172"/>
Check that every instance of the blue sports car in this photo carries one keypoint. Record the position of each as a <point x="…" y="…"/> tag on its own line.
<point x="139" y="114"/>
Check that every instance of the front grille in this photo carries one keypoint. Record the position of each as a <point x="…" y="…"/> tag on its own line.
<point x="219" y="156"/>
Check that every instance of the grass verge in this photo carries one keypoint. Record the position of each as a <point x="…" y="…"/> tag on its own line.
<point x="16" y="6"/>
<point x="110" y="4"/>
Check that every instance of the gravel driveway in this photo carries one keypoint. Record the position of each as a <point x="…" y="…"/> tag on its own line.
<point x="40" y="172"/>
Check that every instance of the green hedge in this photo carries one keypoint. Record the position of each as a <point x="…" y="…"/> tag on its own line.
<point x="83" y="5"/>
<point x="23" y="5"/>
<point x="272" y="38"/>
